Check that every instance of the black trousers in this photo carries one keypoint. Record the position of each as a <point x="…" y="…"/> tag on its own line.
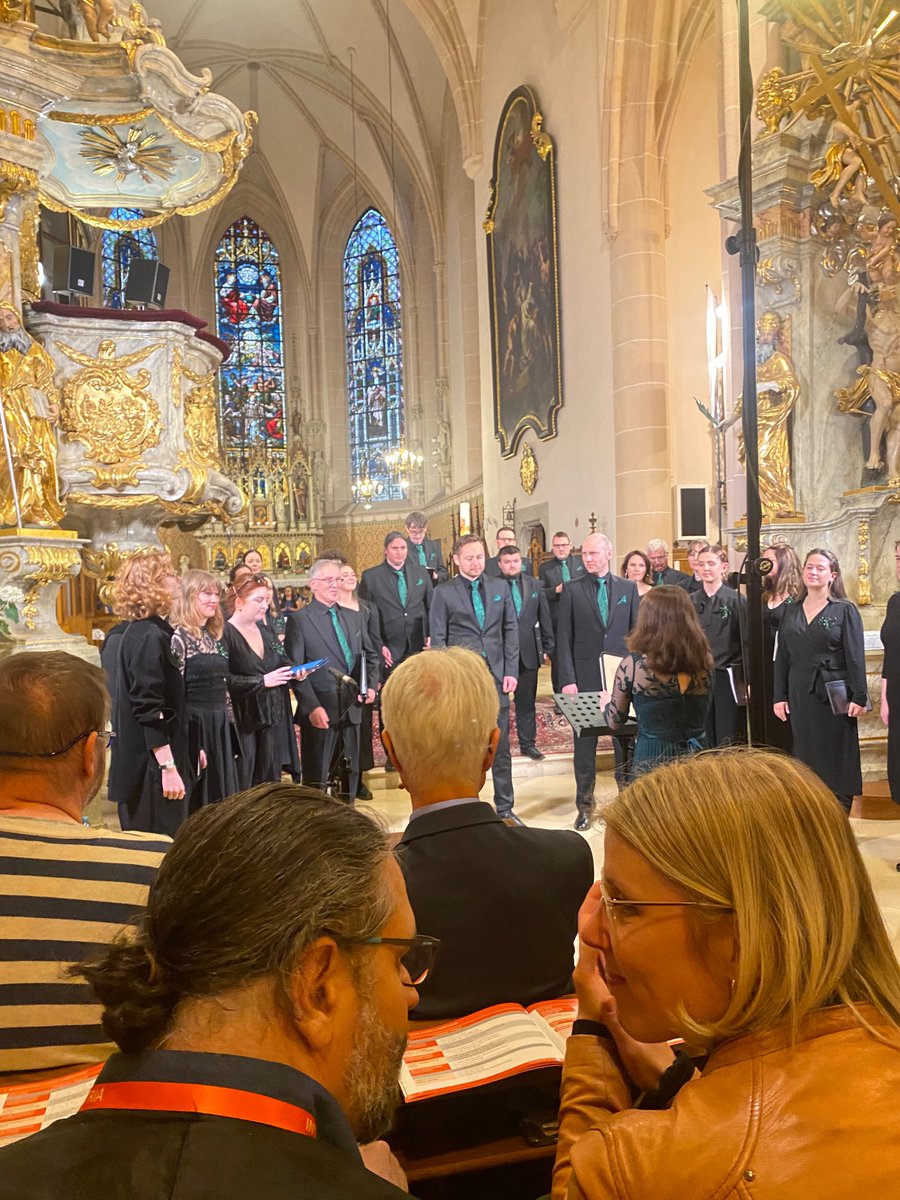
<point x="585" y="761"/>
<point x="726" y="721"/>
<point x="501" y="771"/>
<point x="366" y="757"/>
<point x="526" y="721"/>
<point x="893" y="746"/>
<point x="317" y="748"/>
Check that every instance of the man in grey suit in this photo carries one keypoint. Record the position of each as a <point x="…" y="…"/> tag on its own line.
<point x="597" y="611"/>
<point x="477" y="613"/>
<point x="535" y="641"/>
<point x="328" y="708"/>
<point x="554" y="574"/>
<point x="505" y="537"/>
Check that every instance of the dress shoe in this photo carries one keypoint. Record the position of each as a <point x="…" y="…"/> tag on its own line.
<point x="532" y="752"/>
<point x="389" y="768"/>
<point x="583" y="822"/>
<point x="363" y="793"/>
<point x="511" y="819"/>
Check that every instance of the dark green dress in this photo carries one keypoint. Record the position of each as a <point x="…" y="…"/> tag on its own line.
<point x="671" y="723"/>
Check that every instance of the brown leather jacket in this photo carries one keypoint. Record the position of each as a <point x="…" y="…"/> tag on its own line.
<point x="819" y="1120"/>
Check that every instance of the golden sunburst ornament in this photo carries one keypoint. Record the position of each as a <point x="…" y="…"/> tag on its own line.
<point x="137" y="153"/>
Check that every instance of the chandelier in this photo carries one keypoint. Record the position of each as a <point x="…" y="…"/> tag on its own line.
<point x="365" y="490"/>
<point x="402" y="462"/>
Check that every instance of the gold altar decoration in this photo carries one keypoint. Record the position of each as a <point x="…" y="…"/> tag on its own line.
<point x="774" y="97"/>
<point x="54" y="565"/>
<point x="110" y="411"/>
<point x="138" y="151"/>
<point x="528" y="470"/>
<point x="29" y="492"/>
<point x="863" y="589"/>
<point x="200" y="425"/>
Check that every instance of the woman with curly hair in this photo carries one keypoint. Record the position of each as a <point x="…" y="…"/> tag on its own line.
<point x="153" y="765"/>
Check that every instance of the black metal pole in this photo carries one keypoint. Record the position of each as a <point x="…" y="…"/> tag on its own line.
<point x="744" y="244"/>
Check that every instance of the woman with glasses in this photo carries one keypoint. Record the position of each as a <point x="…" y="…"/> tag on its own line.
<point x="203" y="659"/>
<point x="258" y="678"/>
<point x="820" y="676"/>
<point x="153" y="763"/>
<point x="347" y="598"/>
<point x="734" y="912"/>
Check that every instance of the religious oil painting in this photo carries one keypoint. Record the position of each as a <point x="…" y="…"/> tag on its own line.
<point x="523" y="275"/>
<point x="248" y="317"/>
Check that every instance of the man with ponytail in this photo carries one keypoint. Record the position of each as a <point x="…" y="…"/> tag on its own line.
<point x="261" y="1013"/>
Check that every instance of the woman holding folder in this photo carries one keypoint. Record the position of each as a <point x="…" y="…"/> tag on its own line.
<point x="820" y="676"/>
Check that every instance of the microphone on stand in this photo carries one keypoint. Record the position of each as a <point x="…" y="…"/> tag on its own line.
<point x="341" y="677"/>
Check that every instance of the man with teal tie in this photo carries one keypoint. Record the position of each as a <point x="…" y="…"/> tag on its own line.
<point x="554" y="574"/>
<point x="476" y="611"/>
<point x="326" y="708"/>
<point x="425" y="551"/>
<point x="596" y="613"/>
<point x="658" y="554"/>
<point x="535" y="642"/>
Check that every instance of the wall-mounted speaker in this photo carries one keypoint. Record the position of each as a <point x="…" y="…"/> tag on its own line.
<point x="73" y="271"/>
<point x="147" y="283"/>
<point x="692" y="512"/>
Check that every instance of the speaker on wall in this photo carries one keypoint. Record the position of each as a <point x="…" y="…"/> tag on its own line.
<point x="147" y="283"/>
<point x="693" y="512"/>
<point x="73" y="271"/>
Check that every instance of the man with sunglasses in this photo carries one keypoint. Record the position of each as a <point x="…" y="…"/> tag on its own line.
<point x="65" y="888"/>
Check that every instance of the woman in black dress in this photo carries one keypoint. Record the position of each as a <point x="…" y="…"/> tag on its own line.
<point x="258" y="676"/>
<point x="347" y="598"/>
<point x="820" y="641"/>
<point x="722" y="611"/>
<point x="153" y="763"/>
<point x="781" y="588"/>
<point x="199" y="651"/>
<point x="890" y="684"/>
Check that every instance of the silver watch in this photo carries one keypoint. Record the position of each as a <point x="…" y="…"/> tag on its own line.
<point x="168" y="765"/>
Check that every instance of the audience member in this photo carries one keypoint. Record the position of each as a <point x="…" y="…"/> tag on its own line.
<point x="153" y="765"/>
<point x="722" y="616"/>
<point x="347" y="598"/>
<point x="735" y="912"/>
<point x="478" y="614"/>
<point x="274" y="618"/>
<point x="890" y="684"/>
<point x="658" y="557"/>
<point x="64" y="887"/>
<point x="636" y="567"/>
<point x="506" y="536"/>
<point x="502" y="900"/>
<point x="425" y="551"/>
<point x="782" y="587"/>
<point x="554" y="574"/>
<point x="288" y="599"/>
<point x="253" y="562"/>
<point x="261" y="1014"/>
<point x="535" y="643"/>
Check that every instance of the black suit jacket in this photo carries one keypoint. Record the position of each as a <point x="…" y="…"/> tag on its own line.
<point x="504" y="901"/>
<point x="403" y="630"/>
<point x="434" y="558"/>
<point x="492" y="566"/>
<point x="580" y="635"/>
<point x="550" y="575"/>
<point x="671" y="576"/>
<point x="535" y="629"/>
<point x="452" y="622"/>
<point x="309" y="635"/>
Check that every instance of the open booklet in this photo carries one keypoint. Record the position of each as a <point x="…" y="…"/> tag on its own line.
<point x="492" y="1044"/>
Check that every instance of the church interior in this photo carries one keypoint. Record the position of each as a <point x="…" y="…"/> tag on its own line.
<point x="274" y="276"/>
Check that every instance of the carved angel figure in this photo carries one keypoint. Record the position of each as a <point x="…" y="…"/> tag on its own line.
<point x="843" y="161"/>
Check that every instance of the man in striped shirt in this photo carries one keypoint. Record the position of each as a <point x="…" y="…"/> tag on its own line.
<point x="65" y="889"/>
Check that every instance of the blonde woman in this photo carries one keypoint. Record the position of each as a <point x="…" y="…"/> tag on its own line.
<point x="153" y="764"/>
<point x="734" y="911"/>
<point x="203" y="659"/>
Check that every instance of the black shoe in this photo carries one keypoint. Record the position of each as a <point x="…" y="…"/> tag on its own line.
<point x="363" y="793"/>
<point x="512" y="819"/>
<point x="583" y="822"/>
<point x="389" y="768"/>
<point x="532" y="752"/>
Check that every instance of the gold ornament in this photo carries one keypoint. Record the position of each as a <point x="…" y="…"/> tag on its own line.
<point x="55" y="564"/>
<point x="12" y="11"/>
<point x="774" y="97"/>
<point x="111" y="412"/>
<point x="541" y="140"/>
<point x="200" y="428"/>
<point x="864" y="591"/>
<point x="528" y="471"/>
<point x="138" y="153"/>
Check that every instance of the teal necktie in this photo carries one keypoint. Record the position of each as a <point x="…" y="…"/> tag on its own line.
<point x="516" y="595"/>
<point x="477" y="602"/>
<point x="659" y="579"/>
<point x="402" y="588"/>
<point x="341" y="636"/>
<point x="422" y="559"/>
<point x="566" y="573"/>
<point x="603" y="601"/>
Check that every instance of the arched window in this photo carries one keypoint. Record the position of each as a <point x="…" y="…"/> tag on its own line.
<point x="248" y="315"/>
<point x="373" y="327"/>
<point x="117" y="251"/>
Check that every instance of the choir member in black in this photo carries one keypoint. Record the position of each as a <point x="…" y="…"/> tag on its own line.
<point x="203" y="659"/>
<point x="275" y="618"/>
<point x="347" y="598"/>
<point x="890" y="684"/>
<point x="781" y="588"/>
<point x="694" y="583"/>
<point x="722" y="611"/>
<point x="820" y="641"/>
<point x="636" y="567"/>
<point x="258" y="677"/>
<point x="153" y="764"/>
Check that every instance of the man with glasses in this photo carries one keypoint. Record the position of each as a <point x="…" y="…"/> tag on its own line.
<point x="425" y="551"/>
<point x="65" y="888"/>
<point x="554" y="574"/>
<point x="262" y="1012"/>
<point x="328" y="708"/>
<point x="503" y="901"/>
<point x="505" y="537"/>
<point x="658" y="554"/>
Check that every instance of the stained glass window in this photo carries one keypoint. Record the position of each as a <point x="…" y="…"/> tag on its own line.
<point x="248" y="315"/>
<point x="374" y="350"/>
<point x="117" y="251"/>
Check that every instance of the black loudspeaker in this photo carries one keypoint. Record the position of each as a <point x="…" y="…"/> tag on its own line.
<point x="73" y="271"/>
<point x="147" y="283"/>
<point x="693" y="512"/>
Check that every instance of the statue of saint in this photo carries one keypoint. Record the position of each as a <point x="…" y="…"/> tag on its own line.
<point x="777" y="389"/>
<point x="29" y="444"/>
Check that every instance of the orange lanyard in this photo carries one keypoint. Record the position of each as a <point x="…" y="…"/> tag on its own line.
<point x="201" y="1098"/>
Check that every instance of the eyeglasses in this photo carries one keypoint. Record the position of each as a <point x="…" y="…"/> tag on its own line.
<point x="419" y="957"/>
<point x="619" y="910"/>
<point x="104" y="736"/>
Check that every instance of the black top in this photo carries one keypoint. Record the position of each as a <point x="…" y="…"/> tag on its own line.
<point x="253" y="708"/>
<point x="453" y="623"/>
<point x="581" y="636"/>
<point x="721" y="616"/>
<point x="890" y="638"/>
<point x="492" y="566"/>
